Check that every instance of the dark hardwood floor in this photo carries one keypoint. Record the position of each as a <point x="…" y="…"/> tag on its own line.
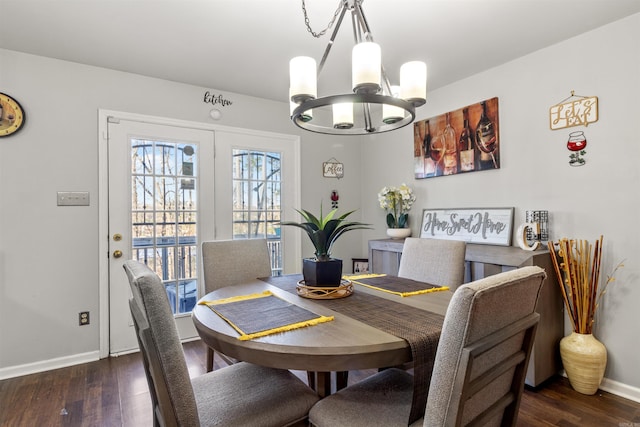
<point x="113" y="392"/>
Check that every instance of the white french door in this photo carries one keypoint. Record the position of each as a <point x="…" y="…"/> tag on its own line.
<point x="172" y="186"/>
<point x="160" y="209"/>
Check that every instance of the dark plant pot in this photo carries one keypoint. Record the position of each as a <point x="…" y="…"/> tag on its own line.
<point x="322" y="273"/>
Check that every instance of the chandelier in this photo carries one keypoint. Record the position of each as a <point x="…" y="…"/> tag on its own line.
<point x="376" y="105"/>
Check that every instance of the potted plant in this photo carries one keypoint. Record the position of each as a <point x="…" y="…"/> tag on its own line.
<point x="324" y="231"/>
<point x="397" y="202"/>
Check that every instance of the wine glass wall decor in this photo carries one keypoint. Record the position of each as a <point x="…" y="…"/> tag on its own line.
<point x="460" y="141"/>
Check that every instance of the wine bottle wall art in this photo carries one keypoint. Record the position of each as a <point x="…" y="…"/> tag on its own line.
<point x="457" y="142"/>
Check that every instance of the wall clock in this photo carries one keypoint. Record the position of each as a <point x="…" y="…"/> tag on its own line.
<point x="11" y="115"/>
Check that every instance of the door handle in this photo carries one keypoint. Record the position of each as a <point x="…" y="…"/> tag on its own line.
<point x="117" y="253"/>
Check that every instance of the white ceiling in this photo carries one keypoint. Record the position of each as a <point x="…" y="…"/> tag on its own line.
<point x="244" y="46"/>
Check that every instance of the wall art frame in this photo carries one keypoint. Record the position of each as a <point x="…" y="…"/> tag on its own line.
<point x="460" y="141"/>
<point x="360" y="265"/>
<point x="487" y="226"/>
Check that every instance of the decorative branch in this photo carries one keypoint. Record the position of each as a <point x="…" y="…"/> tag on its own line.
<point x="578" y="276"/>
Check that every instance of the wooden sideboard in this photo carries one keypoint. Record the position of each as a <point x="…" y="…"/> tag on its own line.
<point x="485" y="260"/>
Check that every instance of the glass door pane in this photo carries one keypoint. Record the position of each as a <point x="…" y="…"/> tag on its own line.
<point x="257" y="208"/>
<point x="164" y="203"/>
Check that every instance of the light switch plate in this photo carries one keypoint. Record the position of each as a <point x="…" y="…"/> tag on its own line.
<point x="73" y="198"/>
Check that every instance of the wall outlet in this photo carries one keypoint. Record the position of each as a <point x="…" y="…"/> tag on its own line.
<point x="83" y="318"/>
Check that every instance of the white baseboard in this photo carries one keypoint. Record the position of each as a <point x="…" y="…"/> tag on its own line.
<point x="622" y="390"/>
<point x="47" y="365"/>
<point x="614" y="387"/>
<point x="62" y="362"/>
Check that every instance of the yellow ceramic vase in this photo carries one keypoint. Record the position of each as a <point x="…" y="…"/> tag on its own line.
<point x="584" y="359"/>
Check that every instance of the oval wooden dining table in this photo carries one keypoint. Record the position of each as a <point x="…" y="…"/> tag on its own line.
<point x="337" y="346"/>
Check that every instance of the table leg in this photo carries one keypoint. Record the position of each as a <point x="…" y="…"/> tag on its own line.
<point x="320" y="382"/>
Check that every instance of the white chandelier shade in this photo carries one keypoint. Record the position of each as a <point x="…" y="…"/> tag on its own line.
<point x="303" y="79"/>
<point x="391" y="113"/>
<point x="413" y="81"/>
<point x="366" y="67"/>
<point x="343" y="115"/>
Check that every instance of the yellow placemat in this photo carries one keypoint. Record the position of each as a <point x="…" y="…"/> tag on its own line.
<point x="394" y="285"/>
<point x="262" y="314"/>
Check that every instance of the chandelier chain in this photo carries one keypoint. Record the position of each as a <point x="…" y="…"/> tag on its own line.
<point x="333" y="20"/>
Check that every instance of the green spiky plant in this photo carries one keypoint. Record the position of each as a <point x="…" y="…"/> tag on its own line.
<point x="325" y="230"/>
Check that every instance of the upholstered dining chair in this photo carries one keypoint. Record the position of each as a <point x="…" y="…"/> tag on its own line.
<point x="436" y="261"/>
<point x="230" y="262"/>
<point x="242" y="394"/>
<point x="480" y="363"/>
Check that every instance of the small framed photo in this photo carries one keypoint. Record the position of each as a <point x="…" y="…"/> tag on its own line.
<point x="360" y="265"/>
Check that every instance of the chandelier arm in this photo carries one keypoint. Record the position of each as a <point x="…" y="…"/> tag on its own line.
<point x="355" y="26"/>
<point x="368" y="126"/>
<point x="331" y="40"/>
<point x="364" y="25"/>
<point x="385" y="80"/>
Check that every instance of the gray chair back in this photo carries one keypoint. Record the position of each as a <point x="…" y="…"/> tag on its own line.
<point x="229" y="262"/>
<point x="171" y="391"/>
<point x="482" y="356"/>
<point x="436" y="261"/>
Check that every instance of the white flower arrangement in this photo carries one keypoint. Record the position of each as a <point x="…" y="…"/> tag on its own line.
<point x="397" y="202"/>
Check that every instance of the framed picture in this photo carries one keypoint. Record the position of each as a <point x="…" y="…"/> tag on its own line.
<point x="489" y="226"/>
<point x="332" y="170"/>
<point x="460" y="141"/>
<point x="360" y="265"/>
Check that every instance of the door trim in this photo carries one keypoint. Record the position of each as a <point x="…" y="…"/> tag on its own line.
<point x="103" y="195"/>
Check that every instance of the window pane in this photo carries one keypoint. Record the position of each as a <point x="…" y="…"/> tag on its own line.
<point x="273" y="167"/>
<point x="187" y="162"/>
<point x="187" y="195"/>
<point x="165" y="158"/>
<point x="272" y="201"/>
<point x="165" y="193"/>
<point x="240" y="224"/>
<point x="256" y="199"/>
<point x="187" y="225"/>
<point x="240" y="164"/>
<point x="141" y="157"/>
<point x="187" y="262"/>
<point x="240" y="194"/>
<point x="256" y="167"/>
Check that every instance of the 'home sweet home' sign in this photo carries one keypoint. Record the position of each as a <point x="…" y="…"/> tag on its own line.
<point x="490" y="226"/>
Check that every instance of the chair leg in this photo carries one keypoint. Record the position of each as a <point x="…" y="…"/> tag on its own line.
<point x="342" y="378"/>
<point x="209" y="365"/>
<point x="311" y="379"/>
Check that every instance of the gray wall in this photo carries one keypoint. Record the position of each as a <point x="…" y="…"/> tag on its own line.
<point x="584" y="202"/>
<point x="49" y="255"/>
